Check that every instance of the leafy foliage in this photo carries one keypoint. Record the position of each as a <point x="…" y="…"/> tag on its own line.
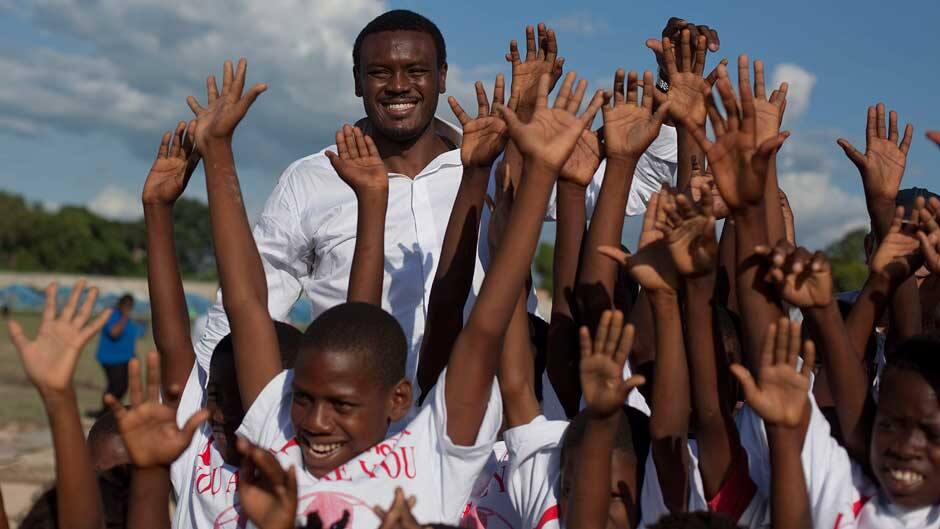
<point x="75" y="240"/>
<point x="847" y="256"/>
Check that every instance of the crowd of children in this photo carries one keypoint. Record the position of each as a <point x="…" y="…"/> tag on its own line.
<point x="705" y="379"/>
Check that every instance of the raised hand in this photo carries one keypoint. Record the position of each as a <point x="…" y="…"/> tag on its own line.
<point x="929" y="234"/>
<point x="176" y="160"/>
<point x="550" y="136"/>
<point x="630" y="125"/>
<point x="769" y="110"/>
<point x="485" y="136"/>
<point x="358" y="162"/>
<point x="584" y="160"/>
<point x="602" y="361"/>
<point x="149" y="420"/>
<point x="737" y="160"/>
<point x="882" y="165"/>
<point x="689" y="227"/>
<point x="49" y="360"/>
<point x="267" y="493"/>
<point x="698" y="181"/>
<point x="541" y="58"/>
<point x="652" y="266"/>
<point x="802" y="278"/>
<point x="399" y="515"/>
<point x="222" y="113"/>
<point x="779" y="395"/>
<point x="687" y="88"/>
<point x="500" y="208"/>
<point x="898" y="255"/>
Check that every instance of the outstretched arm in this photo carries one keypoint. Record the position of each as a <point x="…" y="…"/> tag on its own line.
<point x="779" y="396"/>
<point x="546" y="141"/>
<point x="241" y="273"/>
<point x="605" y="390"/>
<point x="49" y="361"/>
<point x="148" y="420"/>
<point x="175" y="163"/>
<point x="359" y="165"/>
<point x="484" y="138"/>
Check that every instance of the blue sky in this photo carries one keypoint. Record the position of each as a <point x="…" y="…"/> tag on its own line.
<point x="90" y="85"/>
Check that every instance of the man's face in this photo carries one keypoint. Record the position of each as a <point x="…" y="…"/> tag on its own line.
<point x="399" y="82"/>
<point x="905" y="443"/>
<point x="338" y="411"/>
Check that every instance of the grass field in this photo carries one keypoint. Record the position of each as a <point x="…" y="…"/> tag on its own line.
<point x="19" y="402"/>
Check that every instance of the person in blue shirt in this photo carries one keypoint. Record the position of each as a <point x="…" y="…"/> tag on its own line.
<point x="117" y="346"/>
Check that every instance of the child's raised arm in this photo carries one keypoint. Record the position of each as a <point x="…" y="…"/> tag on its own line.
<point x="605" y="391"/>
<point x="241" y="274"/>
<point x="153" y="441"/>
<point x="780" y="398"/>
<point x="653" y="268"/>
<point x="546" y="142"/>
<point x="175" y="163"/>
<point x="484" y="137"/>
<point x="49" y="361"/>
<point x="360" y="166"/>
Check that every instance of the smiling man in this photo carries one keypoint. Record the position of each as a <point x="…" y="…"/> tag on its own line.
<point x="306" y="233"/>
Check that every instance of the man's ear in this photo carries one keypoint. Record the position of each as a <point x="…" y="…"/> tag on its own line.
<point x="356" y="82"/>
<point x="400" y="400"/>
<point x="442" y="78"/>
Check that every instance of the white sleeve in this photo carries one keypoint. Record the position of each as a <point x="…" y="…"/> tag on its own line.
<point x="826" y="465"/>
<point x="281" y="244"/>
<point x="190" y="402"/>
<point x="459" y="466"/>
<point x="535" y="469"/>
<point x="267" y="422"/>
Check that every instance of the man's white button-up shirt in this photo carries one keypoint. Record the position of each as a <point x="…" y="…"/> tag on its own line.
<point x="306" y="234"/>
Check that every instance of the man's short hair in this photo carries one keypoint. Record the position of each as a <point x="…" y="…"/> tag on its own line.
<point x="919" y="354"/>
<point x="289" y="339"/>
<point x="401" y="20"/>
<point x="364" y="330"/>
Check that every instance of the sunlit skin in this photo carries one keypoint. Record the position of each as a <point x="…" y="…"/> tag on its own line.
<point x="623" y="510"/>
<point x="905" y="443"/>
<point x="338" y="410"/>
<point x="400" y="82"/>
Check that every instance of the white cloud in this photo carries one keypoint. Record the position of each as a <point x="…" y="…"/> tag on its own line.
<point x="116" y="203"/>
<point x="800" y="88"/>
<point x="823" y="210"/>
<point x="581" y="23"/>
<point x="148" y="55"/>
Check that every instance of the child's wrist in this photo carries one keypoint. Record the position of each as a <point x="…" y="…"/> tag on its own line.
<point x="54" y="399"/>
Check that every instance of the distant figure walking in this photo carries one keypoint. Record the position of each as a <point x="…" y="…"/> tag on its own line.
<point x="117" y="346"/>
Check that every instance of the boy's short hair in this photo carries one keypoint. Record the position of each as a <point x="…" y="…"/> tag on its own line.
<point x="289" y="339"/>
<point x="919" y="354"/>
<point x="575" y="432"/>
<point x="364" y="330"/>
<point x="694" y="520"/>
<point x="401" y="20"/>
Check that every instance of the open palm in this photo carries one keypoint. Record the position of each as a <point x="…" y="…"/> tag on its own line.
<point x="267" y="493"/>
<point x="584" y="160"/>
<point x="541" y="59"/>
<point x="225" y="110"/>
<point x="358" y="162"/>
<point x="779" y="395"/>
<point x="630" y="125"/>
<point x="602" y="362"/>
<point x="171" y="170"/>
<point x="690" y="234"/>
<point x="882" y="165"/>
<point x="485" y="136"/>
<point x="49" y="360"/>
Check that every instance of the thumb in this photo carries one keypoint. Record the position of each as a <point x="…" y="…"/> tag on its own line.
<point x="616" y="254"/>
<point x="655" y="45"/>
<point x="17" y="336"/>
<point x="746" y="379"/>
<point x="511" y="119"/>
<point x="662" y="112"/>
<point x="189" y="429"/>
<point x="253" y="94"/>
<point x="850" y="151"/>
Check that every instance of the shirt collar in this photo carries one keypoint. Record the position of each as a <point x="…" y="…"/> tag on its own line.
<point x="446" y="130"/>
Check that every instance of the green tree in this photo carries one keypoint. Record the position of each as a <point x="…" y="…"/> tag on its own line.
<point x="847" y="256"/>
<point x="542" y="265"/>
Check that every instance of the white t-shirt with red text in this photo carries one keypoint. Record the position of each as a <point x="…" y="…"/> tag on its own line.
<point x="421" y="459"/>
<point x="841" y="495"/>
<point x="489" y="506"/>
<point x="535" y="471"/>
<point x="204" y="484"/>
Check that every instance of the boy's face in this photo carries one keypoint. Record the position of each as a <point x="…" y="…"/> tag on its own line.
<point x="224" y="404"/>
<point x="339" y="410"/>
<point x="905" y="442"/>
<point x="623" y="511"/>
<point x="399" y="82"/>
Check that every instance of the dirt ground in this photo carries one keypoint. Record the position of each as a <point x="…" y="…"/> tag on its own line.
<point x="26" y="456"/>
